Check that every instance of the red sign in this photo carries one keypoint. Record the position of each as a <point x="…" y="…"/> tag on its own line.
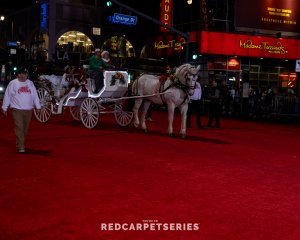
<point x="166" y="14"/>
<point x="249" y="46"/>
<point x="231" y="64"/>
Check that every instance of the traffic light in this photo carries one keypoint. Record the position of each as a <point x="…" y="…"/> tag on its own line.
<point x="195" y="56"/>
<point x="193" y="51"/>
<point x="108" y="3"/>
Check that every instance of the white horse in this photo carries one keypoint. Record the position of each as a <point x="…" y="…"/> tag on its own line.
<point x="174" y="94"/>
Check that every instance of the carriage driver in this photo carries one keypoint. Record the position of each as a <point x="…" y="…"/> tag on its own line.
<point x="96" y="68"/>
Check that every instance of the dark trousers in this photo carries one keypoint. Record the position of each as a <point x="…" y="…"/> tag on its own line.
<point x="214" y="113"/>
<point x="98" y="79"/>
<point x="194" y="106"/>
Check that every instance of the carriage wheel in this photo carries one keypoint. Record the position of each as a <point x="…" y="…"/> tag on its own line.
<point x="122" y="116"/>
<point x="89" y="113"/>
<point x="75" y="112"/>
<point x="44" y="114"/>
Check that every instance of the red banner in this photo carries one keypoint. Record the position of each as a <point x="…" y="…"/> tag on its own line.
<point x="249" y="46"/>
<point x="166" y="14"/>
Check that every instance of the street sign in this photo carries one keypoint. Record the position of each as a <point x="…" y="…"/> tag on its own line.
<point x="13" y="51"/>
<point x="297" y="65"/>
<point x="124" y="19"/>
<point x="13" y="44"/>
<point x="96" y="31"/>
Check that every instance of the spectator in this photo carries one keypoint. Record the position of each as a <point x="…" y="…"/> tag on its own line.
<point x="195" y="105"/>
<point x="214" y="104"/>
<point x="21" y="96"/>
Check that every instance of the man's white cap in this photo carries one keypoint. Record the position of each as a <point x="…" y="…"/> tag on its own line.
<point x="97" y="50"/>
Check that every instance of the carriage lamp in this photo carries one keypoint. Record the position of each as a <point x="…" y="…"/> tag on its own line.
<point x="2" y="18"/>
<point x="108" y="3"/>
<point x="189" y="2"/>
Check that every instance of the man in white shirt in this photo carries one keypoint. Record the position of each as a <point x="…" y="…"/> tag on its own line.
<point x="195" y="105"/>
<point x="21" y="96"/>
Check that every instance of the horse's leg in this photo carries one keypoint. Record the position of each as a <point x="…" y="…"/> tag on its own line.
<point x="136" y="107"/>
<point x="146" y="106"/>
<point x="183" y="110"/>
<point x="171" y="108"/>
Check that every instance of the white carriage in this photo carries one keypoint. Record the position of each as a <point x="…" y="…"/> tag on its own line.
<point x="87" y="106"/>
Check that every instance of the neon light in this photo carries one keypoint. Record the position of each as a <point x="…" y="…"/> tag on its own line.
<point x="43" y="24"/>
<point x="166" y="14"/>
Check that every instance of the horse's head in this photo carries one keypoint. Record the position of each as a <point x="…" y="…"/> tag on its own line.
<point x="187" y="74"/>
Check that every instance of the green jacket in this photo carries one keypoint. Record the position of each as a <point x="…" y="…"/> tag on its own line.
<point x="97" y="64"/>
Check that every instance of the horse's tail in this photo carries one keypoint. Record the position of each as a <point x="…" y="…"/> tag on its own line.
<point x="134" y="87"/>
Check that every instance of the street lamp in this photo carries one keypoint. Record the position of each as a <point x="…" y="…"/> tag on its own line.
<point x="2" y="18"/>
<point x="189" y="2"/>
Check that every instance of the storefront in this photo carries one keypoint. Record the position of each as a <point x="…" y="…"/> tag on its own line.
<point x="269" y="61"/>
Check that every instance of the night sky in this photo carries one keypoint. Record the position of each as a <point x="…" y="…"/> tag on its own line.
<point x="145" y="6"/>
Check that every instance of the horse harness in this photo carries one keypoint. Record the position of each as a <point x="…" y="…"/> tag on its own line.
<point x="177" y="84"/>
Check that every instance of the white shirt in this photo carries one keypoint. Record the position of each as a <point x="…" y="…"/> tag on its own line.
<point x="197" y="93"/>
<point x="21" y="95"/>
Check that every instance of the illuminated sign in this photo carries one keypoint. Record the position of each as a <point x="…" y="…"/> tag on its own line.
<point x="278" y="48"/>
<point x="231" y="64"/>
<point x="43" y="23"/>
<point x="13" y="44"/>
<point x="277" y="15"/>
<point x="166" y="14"/>
<point x="123" y="19"/>
<point x="165" y="45"/>
<point x="176" y="45"/>
<point x="250" y="46"/>
<point x="204" y="15"/>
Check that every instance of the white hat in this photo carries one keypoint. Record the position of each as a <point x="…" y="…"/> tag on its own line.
<point x="97" y="50"/>
<point x="103" y="53"/>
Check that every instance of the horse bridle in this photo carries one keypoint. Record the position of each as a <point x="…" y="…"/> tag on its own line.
<point x="185" y="86"/>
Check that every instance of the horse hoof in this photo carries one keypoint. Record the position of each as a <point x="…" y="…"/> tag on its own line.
<point x="145" y="130"/>
<point x="171" y="135"/>
<point x="183" y="136"/>
<point x="135" y="125"/>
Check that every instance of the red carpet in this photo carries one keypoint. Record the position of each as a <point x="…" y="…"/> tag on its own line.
<point x="238" y="182"/>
